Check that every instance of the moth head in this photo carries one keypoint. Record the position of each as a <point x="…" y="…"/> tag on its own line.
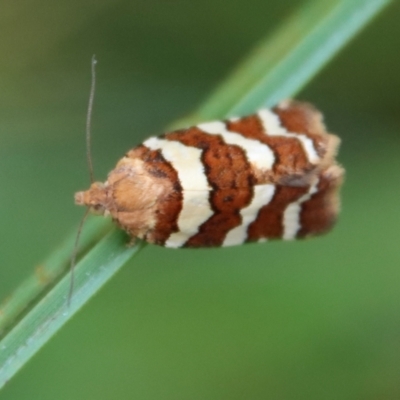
<point x="95" y="198"/>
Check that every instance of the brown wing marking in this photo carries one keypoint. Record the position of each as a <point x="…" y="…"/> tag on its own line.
<point x="229" y="174"/>
<point x="269" y="222"/>
<point x="319" y="214"/>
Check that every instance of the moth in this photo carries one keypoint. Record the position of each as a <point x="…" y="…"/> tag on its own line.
<point x="270" y="175"/>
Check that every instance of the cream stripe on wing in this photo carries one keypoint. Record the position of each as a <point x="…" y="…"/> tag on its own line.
<point x="196" y="208"/>
<point x="291" y="216"/>
<point x="258" y="154"/>
<point x="262" y="195"/>
<point x="273" y="127"/>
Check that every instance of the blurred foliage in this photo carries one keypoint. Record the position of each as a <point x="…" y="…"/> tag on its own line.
<point x="308" y="320"/>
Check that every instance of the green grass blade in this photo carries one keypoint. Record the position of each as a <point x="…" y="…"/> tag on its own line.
<point x="47" y="273"/>
<point x="278" y="68"/>
<point x="52" y="311"/>
<point x="281" y="65"/>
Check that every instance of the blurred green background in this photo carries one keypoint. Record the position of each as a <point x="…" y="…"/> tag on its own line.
<point x="318" y="319"/>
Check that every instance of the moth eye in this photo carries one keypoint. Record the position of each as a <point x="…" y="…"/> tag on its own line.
<point x="97" y="209"/>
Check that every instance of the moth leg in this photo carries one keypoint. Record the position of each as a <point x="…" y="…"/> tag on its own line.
<point x="132" y="241"/>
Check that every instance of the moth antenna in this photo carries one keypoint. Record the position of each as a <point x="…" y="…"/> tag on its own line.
<point x="89" y="119"/>
<point x="91" y="174"/>
<point x="73" y="256"/>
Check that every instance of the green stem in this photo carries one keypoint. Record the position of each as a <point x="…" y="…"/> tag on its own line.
<point x="52" y="311"/>
<point x="48" y="272"/>
<point x="281" y="65"/>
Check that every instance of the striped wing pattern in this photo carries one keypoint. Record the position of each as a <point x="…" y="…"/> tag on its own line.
<point x="271" y="175"/>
